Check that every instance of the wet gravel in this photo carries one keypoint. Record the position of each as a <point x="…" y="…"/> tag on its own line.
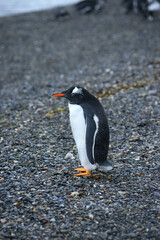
<point x="117" y="58"/>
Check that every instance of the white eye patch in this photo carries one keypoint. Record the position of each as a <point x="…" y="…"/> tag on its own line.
<point x="77" y="90"/>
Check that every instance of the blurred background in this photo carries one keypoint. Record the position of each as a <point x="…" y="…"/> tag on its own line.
<point x="11" y="7"/>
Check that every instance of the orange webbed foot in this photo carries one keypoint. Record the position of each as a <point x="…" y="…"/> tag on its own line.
<point x="83" y="172"/>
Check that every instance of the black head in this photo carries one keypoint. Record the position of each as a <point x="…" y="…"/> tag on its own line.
<point x="76" y="95"/>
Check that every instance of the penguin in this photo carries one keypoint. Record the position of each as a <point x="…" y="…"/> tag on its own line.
<point x="90" y="129"/>
<point x="88" y="6"/>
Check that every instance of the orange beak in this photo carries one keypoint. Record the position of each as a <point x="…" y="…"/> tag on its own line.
<point x="58" y="95"/>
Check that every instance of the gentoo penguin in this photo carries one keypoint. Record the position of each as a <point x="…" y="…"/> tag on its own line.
<point x="90" y="129"/>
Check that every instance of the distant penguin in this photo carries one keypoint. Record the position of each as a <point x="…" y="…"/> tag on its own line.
<point x="90" y="130"/>
<point x="88" y="6"/>
<point x="146" y="7"/>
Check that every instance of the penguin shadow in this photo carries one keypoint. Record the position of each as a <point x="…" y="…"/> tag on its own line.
<point x="96" y="176"/>
<point x="100" y="176"/>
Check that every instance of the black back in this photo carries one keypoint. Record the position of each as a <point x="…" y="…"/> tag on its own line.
<point x="93" y="107"/>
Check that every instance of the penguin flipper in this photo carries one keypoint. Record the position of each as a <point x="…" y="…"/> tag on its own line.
<point x="90" y="138"/>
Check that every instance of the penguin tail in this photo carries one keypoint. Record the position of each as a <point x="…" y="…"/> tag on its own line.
<point x="106" y="167"/>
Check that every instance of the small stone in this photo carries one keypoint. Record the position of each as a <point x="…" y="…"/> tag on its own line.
<point x="75" y="194"/>
<point x="69" y="155"/>
<point x="122" y="193"/>
<point x="3" y="220"/>
<point x="157" y="195"/>
<point x="53" y="219"/>
<point x="90" y="215"/>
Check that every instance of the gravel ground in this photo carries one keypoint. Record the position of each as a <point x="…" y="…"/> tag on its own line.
<point x="117" y="58"/>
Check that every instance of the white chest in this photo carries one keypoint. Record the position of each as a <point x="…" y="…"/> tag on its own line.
<point x="78" y="125"/>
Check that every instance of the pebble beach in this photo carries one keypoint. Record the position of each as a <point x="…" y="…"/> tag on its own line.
<point x="117" y="58"/>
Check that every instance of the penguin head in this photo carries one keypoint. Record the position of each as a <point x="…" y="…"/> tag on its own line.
<point x="76" y="95"/>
